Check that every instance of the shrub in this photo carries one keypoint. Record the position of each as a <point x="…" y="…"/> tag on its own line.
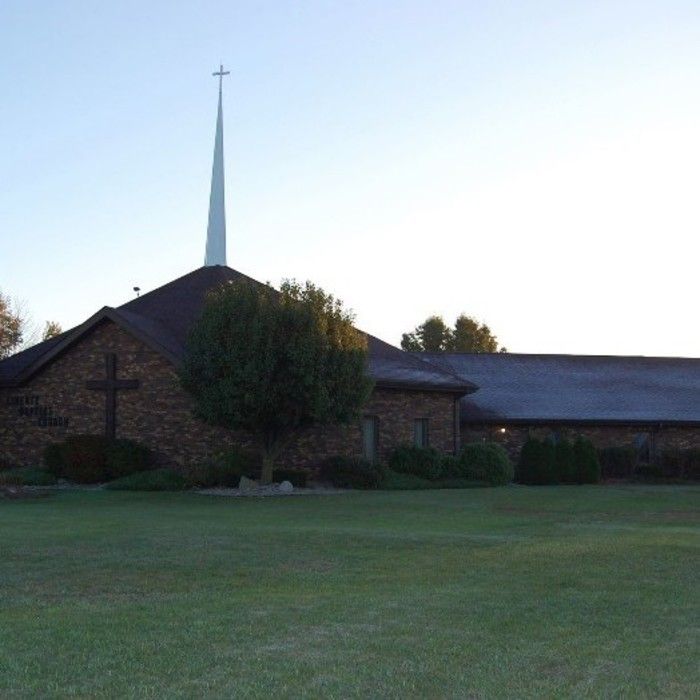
<point x="680" y="464"/>
<point x="352" y="472"/>
<point x="90" y="459"/>
<point x="425" y="462"/>
<point x="451" y="467"/>
<point x="26" y="476"/>
<point x="651" y="472"/>
<point x="53" y="458"/>
<point x="486" y="462"/>
<point x="586" y="462"/>
<point x="537" y="464"/>
<point x="226" y="469"/>
<point x="397" y="481"/>
<point x="240" y="462"/>
<point x="297" y="477"/>
<point x="459" y="483"/>
<point x="564" y="462"/>
<point x="84" y="459"/>
<point x="151" y="480"/>
<point x="692" y="467"/>
<point x="617" y="462"/>
<point x="124" y="457"/>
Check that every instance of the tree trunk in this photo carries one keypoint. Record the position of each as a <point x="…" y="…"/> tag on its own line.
<point x="268" y="465"/>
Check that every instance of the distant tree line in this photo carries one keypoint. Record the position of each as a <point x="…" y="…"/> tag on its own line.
<point x="467" y="335"/>
<point x="17" y="330"/>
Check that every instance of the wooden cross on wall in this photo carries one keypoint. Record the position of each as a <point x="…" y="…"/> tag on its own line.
<point x="110" y="385"/>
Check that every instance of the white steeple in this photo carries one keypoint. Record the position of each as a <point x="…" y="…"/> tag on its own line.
<point x="216" y="229"/>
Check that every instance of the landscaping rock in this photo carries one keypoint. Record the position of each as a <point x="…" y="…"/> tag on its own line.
<point x="247" y="484"/>
<point x="285" y="487"/>
<point x="11" y="491"/>
<point x="22" y="492"/>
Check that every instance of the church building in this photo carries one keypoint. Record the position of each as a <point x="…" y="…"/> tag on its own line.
<point x="117" y="374"/>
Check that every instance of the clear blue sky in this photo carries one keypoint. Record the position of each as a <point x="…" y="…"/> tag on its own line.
<point x="534" y="164"/>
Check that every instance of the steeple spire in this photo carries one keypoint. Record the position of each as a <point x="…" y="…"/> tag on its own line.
<point x="216" y="228"/>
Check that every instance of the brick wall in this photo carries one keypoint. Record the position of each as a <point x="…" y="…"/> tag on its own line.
<point x="664" y="437"/>
<point x="56" y="403"/>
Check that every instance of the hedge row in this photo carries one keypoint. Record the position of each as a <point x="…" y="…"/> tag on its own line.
<point x="91" y="459"/>
<point x="26" y="476"/>
<point x="672" y="464"/>
<point x="423" y="467"/>
<point x="562" y="462"/>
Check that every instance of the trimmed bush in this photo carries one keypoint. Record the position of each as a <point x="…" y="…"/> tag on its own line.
<point x="124" y="457"/>
<point x="564" y="462"/>
<point x="84" y="459"/>
<point x="451" y="467"/>
<point x="617" y="462"/>
<point x="586" y="462"/>
<point x="650" y="472"/>
<point x="90" y="459"/>
<point x="537" y="464"/>
<point x="486" y="462"/>
<point x="692" y="465"/>
<point x="297" y="477"/>
<point x="151" y="480"/>
<point x="26" y="476"/>
<point x="351" y="472"/>
<point x="226" y="469"/>
<point x="396" y="481"/>
<point x="53" y="458"/>
<point x="424" y="462"/>
<point x="460" y="484"/>
<point x="680" y="464"/>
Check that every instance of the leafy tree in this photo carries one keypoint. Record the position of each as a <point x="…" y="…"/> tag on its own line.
<point x="51" y="330"/>
<point x="11" y="327"/>
<point x="433" y="335"/>
<point x="471" y="336"/>
<point x="468" y="335"/>
<point x="274" y="363"/>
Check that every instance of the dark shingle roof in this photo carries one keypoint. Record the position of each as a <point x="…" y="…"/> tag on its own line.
<point x="165" y="315"/>
<point x="14" y="364"/>
<point x="532" y="388"/>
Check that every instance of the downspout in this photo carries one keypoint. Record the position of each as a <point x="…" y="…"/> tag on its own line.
<point x="457" y="436"/>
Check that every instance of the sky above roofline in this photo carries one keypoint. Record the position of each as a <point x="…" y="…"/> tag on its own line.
<point x="531" y="164"/>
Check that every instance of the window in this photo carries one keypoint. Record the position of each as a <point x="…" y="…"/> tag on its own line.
<point x="421" y="432"/>
<point x="644" y="445"/>
<point x="369" y="437"/>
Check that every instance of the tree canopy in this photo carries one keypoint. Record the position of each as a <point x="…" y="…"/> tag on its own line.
<point x="51" y="330"/>
<point x="11" y="327"/>
<point x="17" y="329"/>
<point x="467" y="335"/>
<point x="274" y="363"/>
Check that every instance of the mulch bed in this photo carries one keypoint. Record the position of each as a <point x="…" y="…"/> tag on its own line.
<point x="17" y="493"/>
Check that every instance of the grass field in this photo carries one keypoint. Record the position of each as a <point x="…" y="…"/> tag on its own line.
<point x="510" y="592"/>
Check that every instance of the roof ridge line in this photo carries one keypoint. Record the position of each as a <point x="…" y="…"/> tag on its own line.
<point x="558" y="355"/>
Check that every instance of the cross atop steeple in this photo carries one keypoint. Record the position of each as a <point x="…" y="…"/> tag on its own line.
<point x="216" y="229"/>
<point x="221" y="73"/>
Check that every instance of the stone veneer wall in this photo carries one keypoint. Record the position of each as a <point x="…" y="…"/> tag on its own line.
<point x="664" y="437"/>
<point x="158" y="413"/>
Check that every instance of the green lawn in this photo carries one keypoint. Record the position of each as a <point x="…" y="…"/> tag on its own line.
<point x="510" y="592"/>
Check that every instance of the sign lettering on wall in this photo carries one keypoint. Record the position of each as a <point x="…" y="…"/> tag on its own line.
<point x="30" y="406"/>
